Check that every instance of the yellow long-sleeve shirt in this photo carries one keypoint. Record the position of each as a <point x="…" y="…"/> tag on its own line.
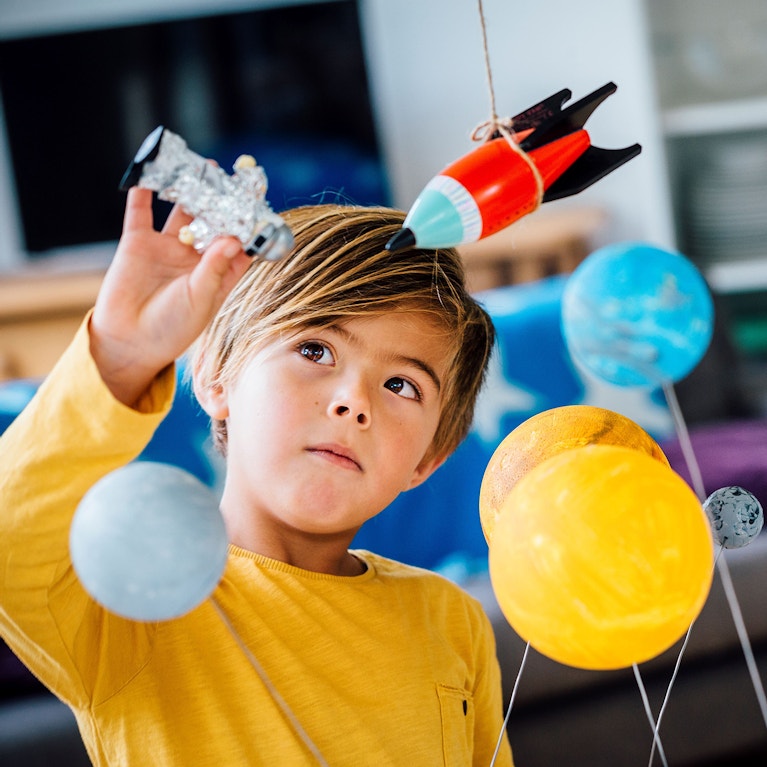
<point x="393" y="667"/>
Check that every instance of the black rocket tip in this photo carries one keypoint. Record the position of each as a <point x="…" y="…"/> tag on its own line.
<point x="405" y="238"/>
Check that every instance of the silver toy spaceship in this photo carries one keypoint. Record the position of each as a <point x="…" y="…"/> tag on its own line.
<point x="222" y="204"/>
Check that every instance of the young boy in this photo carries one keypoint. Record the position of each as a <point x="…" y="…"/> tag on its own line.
<point x="335" y="379"/>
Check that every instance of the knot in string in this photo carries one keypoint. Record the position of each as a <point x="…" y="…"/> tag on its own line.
<point x="488" y="130"/>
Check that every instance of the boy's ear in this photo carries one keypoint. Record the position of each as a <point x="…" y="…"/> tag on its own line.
<point x="212" y="399"/>
<point x="424" y="470"/>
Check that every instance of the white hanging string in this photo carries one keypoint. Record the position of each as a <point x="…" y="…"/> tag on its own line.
<point x="683" y="434"/>
<point x="511" y="704"/>
<point x="648" y="711"/>
<point x="721" y="561"/>
<point x="668" y="691"/>
<point x="740" y="627"/>
<point x="671" y="684"/>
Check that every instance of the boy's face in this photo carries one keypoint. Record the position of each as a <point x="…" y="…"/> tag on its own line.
<point x="325" y="428"/>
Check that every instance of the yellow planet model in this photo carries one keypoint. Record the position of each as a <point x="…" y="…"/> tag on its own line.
<point x="602" y="557"/>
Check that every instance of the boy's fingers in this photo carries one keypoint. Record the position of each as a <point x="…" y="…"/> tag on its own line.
<point x="139" y="214"/>
<point x="221" y="266"/>
<point x="138" y="210"/>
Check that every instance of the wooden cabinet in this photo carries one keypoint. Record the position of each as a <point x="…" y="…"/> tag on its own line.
<point x="39" y="314"/>
<point x="540" y="245"/>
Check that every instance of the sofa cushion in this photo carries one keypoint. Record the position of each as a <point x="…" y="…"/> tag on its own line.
<point x="727" y="453"/>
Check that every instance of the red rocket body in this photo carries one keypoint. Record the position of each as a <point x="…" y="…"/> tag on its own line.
<point x="502" y="183"/>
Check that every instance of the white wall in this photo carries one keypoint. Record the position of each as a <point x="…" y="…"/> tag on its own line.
<point x="430" y="89"/>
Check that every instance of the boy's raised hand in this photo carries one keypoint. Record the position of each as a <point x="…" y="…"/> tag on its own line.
<point x="157" y="297"/>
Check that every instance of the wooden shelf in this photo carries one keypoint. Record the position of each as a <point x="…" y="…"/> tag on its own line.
<point x="39" y="314"/>
<point x="537" y="246"/>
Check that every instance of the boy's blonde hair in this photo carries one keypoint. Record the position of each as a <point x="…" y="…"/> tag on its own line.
<point x="340" y="268"/>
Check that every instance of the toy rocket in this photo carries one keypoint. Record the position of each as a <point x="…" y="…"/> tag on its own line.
<point x="494" y="185"/>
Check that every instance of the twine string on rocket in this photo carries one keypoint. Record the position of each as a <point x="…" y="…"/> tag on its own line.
<point x="485" y="130"/>
<point x="488" y="68"/>
<point x="489" y="129"/>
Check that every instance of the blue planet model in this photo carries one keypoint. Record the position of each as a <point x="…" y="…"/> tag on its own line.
<point x="634" y="314"/>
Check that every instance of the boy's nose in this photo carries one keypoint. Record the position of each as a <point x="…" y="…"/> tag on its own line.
<point x="361" y="417"/>
<point x="351" y="401"/>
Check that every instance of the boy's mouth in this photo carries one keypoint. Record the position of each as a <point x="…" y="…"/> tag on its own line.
<point x="337" y="455"/>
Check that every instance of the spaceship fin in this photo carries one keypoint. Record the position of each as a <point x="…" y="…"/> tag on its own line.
<point x="568" y="120"/>
<point x="148" y="150"/>
<point x="593" y="164"/>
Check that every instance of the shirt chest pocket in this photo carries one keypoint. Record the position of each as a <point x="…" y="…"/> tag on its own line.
<point x="457" y="712"/>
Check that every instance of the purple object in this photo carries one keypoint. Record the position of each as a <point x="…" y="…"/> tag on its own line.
<point x="728" y="453"/>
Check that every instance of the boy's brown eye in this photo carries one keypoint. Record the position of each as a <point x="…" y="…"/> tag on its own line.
<point x="403" y="387"/>
<point x="316" y="352"/>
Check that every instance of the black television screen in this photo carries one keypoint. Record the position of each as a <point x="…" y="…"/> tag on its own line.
<point x="286" y="84"/>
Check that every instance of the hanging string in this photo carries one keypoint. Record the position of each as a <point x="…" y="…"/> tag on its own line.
<point x="504" y="126"/>
<point x="683" y="435"/>
<point x="673" y="678"/>
<point x="740" y="627"/>
<point x="511" y="704"/>
<point x="488" y="68"/>
<point x="721" y="562"/>
<point x="648" y="711"/>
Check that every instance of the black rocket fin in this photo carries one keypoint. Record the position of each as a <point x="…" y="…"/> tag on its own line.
<point x="593" y="164"/>
<point x="541" y="112"/>
<point x="568" y="120"/>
